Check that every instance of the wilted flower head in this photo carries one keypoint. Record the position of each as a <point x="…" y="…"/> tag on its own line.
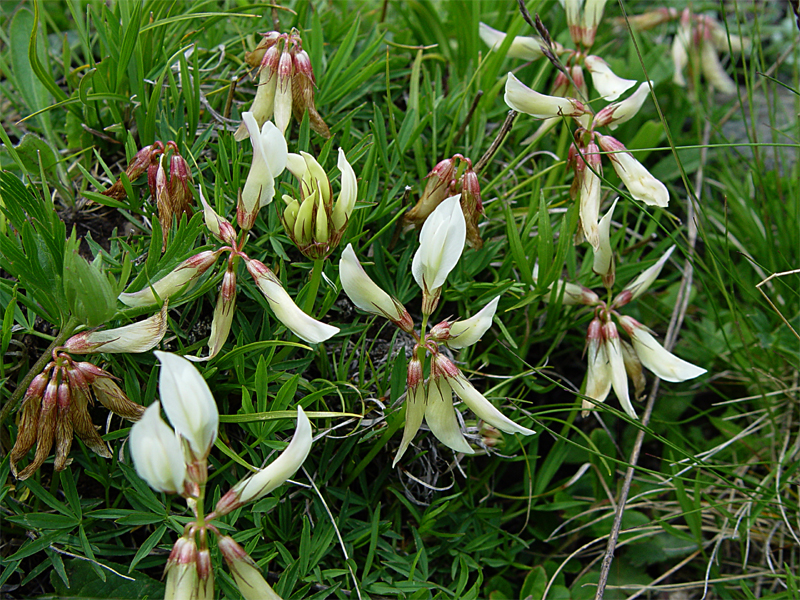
<point x="285" y="83"/>
<point x="56" y="406"/>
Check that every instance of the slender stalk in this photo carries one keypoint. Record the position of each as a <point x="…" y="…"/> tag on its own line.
<point x="313" y="286"/>
<point x="37" y="367"/>
<point x="498" y="141"/>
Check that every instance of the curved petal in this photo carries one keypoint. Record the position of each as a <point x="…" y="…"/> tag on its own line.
<point x="440" y="415"/>
<point x="156" y="452"/>
<point x="362" y="291"/>
<point x="441" y="243"/>
<point x="607" y="84"/>
<point x="467" y="332"/>
<point x="521" y="98"/>
<point x="188" y="402"/>
<point x="526" y="48"/>
<point x="415" y="411"/>
<point x="660" y="361"/>
<point x="484" y="409"/>
<point x="347" y="196"/>
<point x="282" y="468"/>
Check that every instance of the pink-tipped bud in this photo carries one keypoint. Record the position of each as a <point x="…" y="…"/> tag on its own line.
<point x="302" y="64"/>
<point x="440" y="332"/>
<point x="283" y="93"/>
<point x="472" y="207"/>
<point x="439" y="186"/>
<point x="415" y="375"/>
<point x="576" y="72"/>
<point x="180" y="186"/>
<point x="271" y="60"/>
<point x="444" y="367"/>
<point x="143" y="159"/>
<point x="228" y="288"/>
<point x="91" y="372"/>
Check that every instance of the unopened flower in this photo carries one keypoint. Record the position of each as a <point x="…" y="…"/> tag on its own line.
<point x="617" y="113"/>
<point x="282" y="468"/>
<point x="133" y="338"/>
<point x="174" y="195"/>
<point x="181" y="277"/>
<point x="441" y="184"/>
<point x="269" y="160"/>
<point x="285" y="309"/>
<point x="55" y="408"/>
<point x="441" y="243"/>
<point x="643" y="281"/>
<point x="218" y="226"/>
<point x="245" y="572"/>
<point x="156" y="452"/>
<point x="314" y="222"/>
<point x="598" y="376"/>
<point x="189" y="576"/>
<point x="571" y="294"/>
<point x="366" y="294"/>
<point x="639" y="181"/>
<point x="521" y="98"/>
<point x="586" y="188"/>
<point x="285" y="83"/>
<point x="608" y="85"/>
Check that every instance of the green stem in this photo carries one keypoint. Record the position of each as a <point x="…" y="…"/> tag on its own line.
<point x="313" y="285"/>
<point x="37" y="368"/>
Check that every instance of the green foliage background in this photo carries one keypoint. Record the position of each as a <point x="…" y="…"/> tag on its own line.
<point x="714" y="498"/>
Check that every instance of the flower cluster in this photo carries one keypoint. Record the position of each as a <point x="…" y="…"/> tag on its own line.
<point x="173" y="193"/>
<point x="450" y="177"/>
<point x="270" y="157"/>
<point x="313" y="221"/>
<point x="611" y="360"/>
<point x="176" y="462"/>
<point x="441" y="244"/>
<point x="285" y="83"/>
<point x="56" y="403"/>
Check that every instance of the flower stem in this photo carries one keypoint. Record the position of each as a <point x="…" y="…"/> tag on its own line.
<point x="37" y="367"/>
<point x="313" y="286"/>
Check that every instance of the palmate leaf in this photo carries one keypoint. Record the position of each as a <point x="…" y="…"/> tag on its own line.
<point x="32" y="248"/>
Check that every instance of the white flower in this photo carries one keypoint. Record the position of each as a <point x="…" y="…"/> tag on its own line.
<point x="156" y="452"/>
<point x="245" y="572"/>
<point x="269" y="160"/>
<point x="440" y="415"/>
<point x="364" y="292"/>
<point x="136" y="337"/>
<point x="467" y="332"/>
<point x="441" y="243"/>
<point x="640" y="182"/>
<point x="526" y="48"/>
<point x="415" y="409"/>
<point x="346" y="201"/>
<point x="484" y="409"/>
<point x="287" y="312"/>
<point x="616" y="367"/>
<point x="607" y="84"/>
<point x="598" y="375"/>
<point x="185" y="274"/>
<point x="617" y="113"/>
<point x="521" y="98"/>
<point x="590" y="205"/>
<point x="712" y="69"/>
<point x="571" y="293"/>
<point x="645" y="279"/>
<point x="603" y="255"/>
<point x="188" y="403"/>
<point x="655" y="357"/>
<point x="290" y="460"/>
<point x="223" y="316"/>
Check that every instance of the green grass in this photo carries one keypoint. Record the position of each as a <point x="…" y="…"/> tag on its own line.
<point x="713" y="500"/>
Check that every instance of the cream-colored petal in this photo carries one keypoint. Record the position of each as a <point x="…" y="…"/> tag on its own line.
<point x="440" y="416"/>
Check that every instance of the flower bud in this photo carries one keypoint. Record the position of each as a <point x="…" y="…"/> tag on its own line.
<point x="264" y="103"/>
<point x="521" y="98"/>
<point x="136" y="337"/>
<point x="573" y="294"/>
<point x="346" y="201"/>
<point x="439" y="186"/>
<point x="472" y="206"/>
<point x="157" y="454"/>
<point x="592" y="15"/>
<point x="283" y="94"/>
<point x="587" y="170"/>
<point x="185" y="274"/>
<point x="182" y="578"/>
<point x="223" y="316"/>
<point x="219" y="226"/>
<point x="63" y="436"/>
